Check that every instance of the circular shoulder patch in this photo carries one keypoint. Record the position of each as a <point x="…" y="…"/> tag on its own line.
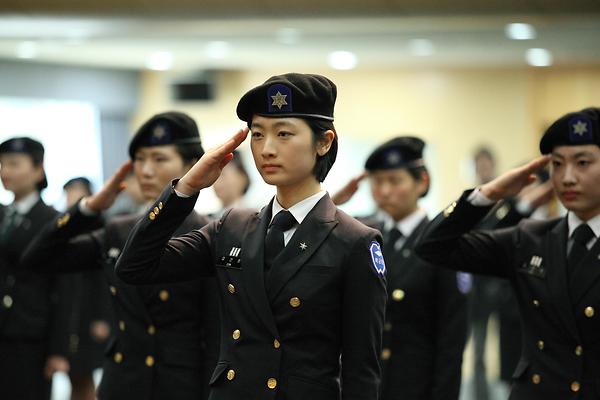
<point x="464" y="282"/>
<point x="377" y="257"/>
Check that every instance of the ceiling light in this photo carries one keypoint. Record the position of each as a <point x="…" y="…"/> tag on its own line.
<point x="342" y="60"/>
<point x="421" y="47"/>
<point x="217" y="50"/>
<point x="520" y="31"/>
<point x="27" y="50"/>
<point x="160" y="61"/>
<point x="539" y="57"/>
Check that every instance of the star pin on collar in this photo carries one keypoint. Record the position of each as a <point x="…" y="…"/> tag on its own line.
<point x="303" y="246"/>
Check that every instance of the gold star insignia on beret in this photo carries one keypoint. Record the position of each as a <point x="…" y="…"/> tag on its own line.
<point x="580" y="128"/>
<point x="159" y="132"/>
<point x="279" y="100"/>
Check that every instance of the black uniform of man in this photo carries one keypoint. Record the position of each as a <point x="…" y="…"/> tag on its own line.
<point x="426" y="315"/>
<point x="165" y="342"/>
<point x="324" y="295"/>
<point x="34" y="309"/>
<point x="558" y="303"/>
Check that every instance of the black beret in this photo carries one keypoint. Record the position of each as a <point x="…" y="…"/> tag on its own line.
<point x="400" y="152"/>
<point x="290" y="95"/>
<point x="28" y="146"/>
<point x="573" y="129"/>
<point x="164" y="129"/>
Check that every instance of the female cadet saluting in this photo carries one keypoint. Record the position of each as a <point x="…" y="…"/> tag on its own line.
<point x="301" y="283"/>
<point x="426" y="316"/>
<point x="553" y="266"/>
<point x="160" y="345"/>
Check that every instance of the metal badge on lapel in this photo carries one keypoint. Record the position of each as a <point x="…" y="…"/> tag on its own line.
<point x="232" y="260"/>
<point x="303" y="246"/>
<point x="534" y="267"/>
<point x="114" y="252"/>
<point x="377" y="258"/>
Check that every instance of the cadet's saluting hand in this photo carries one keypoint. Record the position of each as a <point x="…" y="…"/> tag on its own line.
<point x="206" y="171"/>
<point x="512" y="182"/>
<point x="107" y="195"/>
<point x="345" y="194"/>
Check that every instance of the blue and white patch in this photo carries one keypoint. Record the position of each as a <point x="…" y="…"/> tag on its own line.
<point x="377" y="257"/>
<point x="464" y="282"/>
<point x="279" y="99"/>
<point x="580" y="129"/>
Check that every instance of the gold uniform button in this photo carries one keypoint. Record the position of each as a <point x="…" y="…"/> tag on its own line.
<point x="398" y="295"/>
<point x="236" y="334"/>
<point x="113" y="290"/>
<point x="272" y="383"/>
<point x="578" y="351"/>
<point x="156" y="210"/>
<point x="230" y="375"/>
<point x="589" y="312"/>
<point x="386" y="354"/>
<point x="231" y="288"/>
<point x="151" y="330"/>
<point x="62" y="221"/>
<point x="387" y="326"/>
<point x="575" y="386"/>
<point x="540" y="344"/>
<point x="118" y="357"/>
<point x="160" y="205"/>
<point x="449" y="210"/>
<point x="276" y="344"/>
<point x="122" y="325"/>
<point x="536" y="303"/>
<point x="149" y="361"/>
<point x="152" y="216"/>
<point x="295" y="302"/>
<point x="536" y="379"/>
<point x="163" y="295"/>
<point x="7" y="301"/>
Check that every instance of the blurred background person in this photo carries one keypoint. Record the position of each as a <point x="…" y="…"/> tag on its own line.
<point x="426" y="316"/>
<point x="130" y="201"/>
<point x="91" y="319"/>
<point x="232" y="185"/>
<point x="35" y="309"/>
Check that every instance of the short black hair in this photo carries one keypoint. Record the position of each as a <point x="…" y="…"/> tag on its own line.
<point x="189" y="152"/>
<point x="326" y="161"/>
<point x="417" y="174"/>
<point x="484" y="152"/>
<point x="81" y="180"/>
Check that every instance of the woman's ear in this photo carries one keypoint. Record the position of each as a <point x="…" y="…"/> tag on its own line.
<point x="423" y="183"/>
<point x="324" y="143"/>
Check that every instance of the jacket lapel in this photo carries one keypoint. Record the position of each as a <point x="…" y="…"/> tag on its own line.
<point x="302" y="245"/>
<point x="555" y="244"/>
<point x="253" y="263"/>
<point x="586" y="275"/>
<point x="398" y="259"/>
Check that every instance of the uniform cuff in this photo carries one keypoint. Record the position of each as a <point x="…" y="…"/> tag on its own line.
<point x="478" y="199"/>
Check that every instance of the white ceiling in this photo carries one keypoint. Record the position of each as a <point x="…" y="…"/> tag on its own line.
<point x="250" y="43"/>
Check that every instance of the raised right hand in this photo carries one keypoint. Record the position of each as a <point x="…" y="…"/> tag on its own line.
<point x="206" y="171"/>
<point x="107" y="195"/>
<point x="512" y="182"/>
<point x="345" y="194"/>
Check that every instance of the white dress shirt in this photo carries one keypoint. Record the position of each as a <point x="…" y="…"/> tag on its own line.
<point x="299" y="210"/>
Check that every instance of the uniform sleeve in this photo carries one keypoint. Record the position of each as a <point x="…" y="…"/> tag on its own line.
<point x="451" y="328"/>
<point x="364" y="298"/>
<point x="66" y="244"/>
<point x="451" y="241"/>
<point x="151" y="256"/>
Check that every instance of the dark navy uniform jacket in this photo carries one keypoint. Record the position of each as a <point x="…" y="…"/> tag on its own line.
<point x="561" y="320"/>
<point x="285" y="336"/>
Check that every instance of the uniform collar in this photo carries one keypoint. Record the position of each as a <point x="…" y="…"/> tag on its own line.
<point x="301" y="209"/>
<point x="25" y="205"/>
<point x="406" y="225"/>
<point x="574" y="221"/>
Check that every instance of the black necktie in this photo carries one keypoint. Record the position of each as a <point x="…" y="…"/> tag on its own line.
<point x="391" y="238"/>
<point x="581" y="237"/>
<point x="8" y="225"/>
<point x="283" y="221"/>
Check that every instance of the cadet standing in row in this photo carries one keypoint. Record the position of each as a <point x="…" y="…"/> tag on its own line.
<point x="553" y="266"/>
<point x="426" y="317"/>
<point x="301" y="283"/>
<point x="165" y="341"/>
<point x="35" y="309"/>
